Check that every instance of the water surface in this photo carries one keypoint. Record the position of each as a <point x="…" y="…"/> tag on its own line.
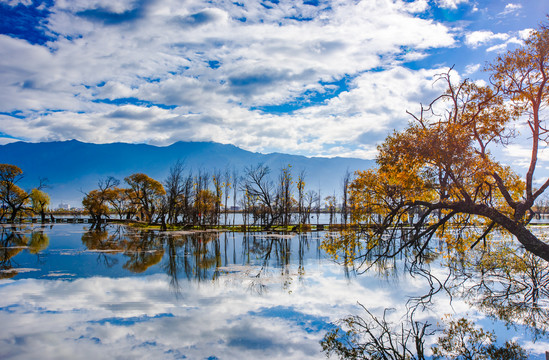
<point x="71" y="292"/>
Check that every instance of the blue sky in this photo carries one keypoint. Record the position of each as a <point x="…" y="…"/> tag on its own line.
<point x="315" y="78"/>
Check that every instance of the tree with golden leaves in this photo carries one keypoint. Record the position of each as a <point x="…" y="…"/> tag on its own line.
<point x="146" y="193"/>
<point x="96" y="201"/>
<point x="438" y="177"/>
<point x="13" y="199"/>
<point x="40" y="202"/>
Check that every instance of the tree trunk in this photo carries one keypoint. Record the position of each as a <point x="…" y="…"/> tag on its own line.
<point x="530" y="242"/>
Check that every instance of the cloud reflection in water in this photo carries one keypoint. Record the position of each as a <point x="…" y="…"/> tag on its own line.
<point x="226" y="296"/>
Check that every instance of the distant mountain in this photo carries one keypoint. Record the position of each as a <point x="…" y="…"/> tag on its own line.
<point x="72" y="166"/>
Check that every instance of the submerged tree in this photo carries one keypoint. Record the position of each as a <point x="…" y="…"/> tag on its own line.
<point x="13" y="199"/>
<point x="11" y="195"/>
<point x="258" y="187"/>
<point x="40" y="202"/>
<point x="96" y="201"/>
<point x="146" y="193"/>
<point x="439" y="174"/>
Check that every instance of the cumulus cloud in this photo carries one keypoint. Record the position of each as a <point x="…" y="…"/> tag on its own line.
<point x="417" y="6"/>
<point x="140" y="316"/>
<point x="496" y="42"/>
<point x="505" y="45"/>
<point x="160" y="71"/>
<point x="478" y="38"/>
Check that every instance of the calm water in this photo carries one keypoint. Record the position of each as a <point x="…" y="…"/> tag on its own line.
<point x="67" y="292"/>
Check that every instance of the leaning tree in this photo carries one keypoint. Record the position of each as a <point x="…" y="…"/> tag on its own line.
<point x="440" y="177"/>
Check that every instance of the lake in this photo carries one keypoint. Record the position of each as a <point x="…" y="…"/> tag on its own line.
<point x="70" y="292"/>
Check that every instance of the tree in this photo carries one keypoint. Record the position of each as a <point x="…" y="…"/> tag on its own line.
<point x="345" y="197"/>
<point x="377" y="338"/>
<point x="331" y="205"/>
<point x="40" y="202"/>
<point x="39" y="241"/>
<point x="284" y="198"/>
<point x="218" y="188"/>
<point x="96" y="200"/>
<point x="257" y="186"/>
<point x="175" y="191"/>
<point x="11" y="195"/>
<point x="226" y="192"/>
<point x="200" y="184"/>
<point x="236" y="178"/>
<point x="439" y="174"/>
<point x="146" y="193"/>
<point x="371" y="337"/>
<point x="300" y="184"/>
<point x="311" y="198"/>
<point x="206" y="202"/>
<point x="95" y="203"/>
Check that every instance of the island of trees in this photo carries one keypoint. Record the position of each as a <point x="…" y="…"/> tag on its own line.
<point x="183" y="199"/>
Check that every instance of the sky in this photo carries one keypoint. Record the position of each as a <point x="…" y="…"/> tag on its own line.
<point x="313" y="77"/>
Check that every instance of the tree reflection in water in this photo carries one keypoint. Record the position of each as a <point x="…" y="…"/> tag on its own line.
<point x="503" y="282"/>
<point x="506" y="283"/>
<point x="262" y="258"/>
<point x="143" y="248"/>
<point x="499" y="279"/>
<point x="13" y="240"/>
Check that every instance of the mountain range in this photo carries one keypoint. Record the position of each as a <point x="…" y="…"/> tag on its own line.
<point x="73" y="167"/>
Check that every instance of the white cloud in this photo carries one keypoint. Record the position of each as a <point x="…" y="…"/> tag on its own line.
<point x="117" y="7"/>
<point x="451" y="4"/>
<point x="497" y="48"/>
<point x="511" y="8"/>
<point x="471" y="69"/>
<point x="211" y="66"/>
<point x="496" y="42"/>
<point x="6" y="140"/>
<point x="504" y="46"/>
<point x="478" y="38"/>
<point x="14" y="3"/>
<point x="140" y="317"/>
<point x="524" y="34"/>
<point x="417" y="6"/>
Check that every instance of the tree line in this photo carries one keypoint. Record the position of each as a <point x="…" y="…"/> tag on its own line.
<point x="203" y="198"/>
<point x="206" y="198"/>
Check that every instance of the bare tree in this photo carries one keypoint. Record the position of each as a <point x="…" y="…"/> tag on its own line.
<point x="175" y="188"/>
<point x="257" y="185"/>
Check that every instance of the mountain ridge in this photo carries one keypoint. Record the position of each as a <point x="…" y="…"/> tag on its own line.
<point x="73" y="167"/>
